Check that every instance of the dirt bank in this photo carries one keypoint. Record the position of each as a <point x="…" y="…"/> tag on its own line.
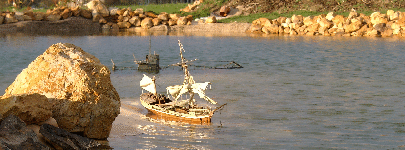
<point x="70" y="26"/>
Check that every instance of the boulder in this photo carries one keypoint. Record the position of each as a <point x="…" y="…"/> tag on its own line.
<point x="380" y="27"/>
<point x="136" y="21"/>
<point x="61" y="139"/>
<point x="1" y="19"/>
<point x="174" y="16"/>
<point x="156" y="21"/>
<point x="126" y="13"/>
<point x="297" y="18"/>
<point x="182" y="21"/>
<point x="138" y="11"/>
<point x="325" y="23"/>
<point x="150" y="14"/>
<point x="66" y="13"/>
<point x="309" y="20"/>
<point x="86" y="14"/>
<point x="78" y="86"/>
<point x="338" y="19"/>
<point x="172" y="22"/>
<point x="31" y="108"/>
<point x="376" y="18"/>
<point x="330" y="16"/>
<point x="99" y="7"/>
<point x="282" y="20"/>
<point x="113" y="11"/>
<point x="261" y="21"/>
<point x="224" y="11"/>
<point x="121" y="11"/>
<point x="14" y="134"/>
<point x="10" y="18"/>
<point x="76" y="11"/>
<point x="53" y="17"/>
<point x="39" y="16"/>
<point x="211" y="19"/>
<point x="147" y="23"/>
<point x="354" y="26"/>
<point x="122" y="25"/>
<point x="163" y="16"/>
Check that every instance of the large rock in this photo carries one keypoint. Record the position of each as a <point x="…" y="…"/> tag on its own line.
<point x="99" y="7"/>
<point x="147" y="23"/>
<point x="136" y="21"/>
<point x="61" y="139"/>
<point x="31" y="108"/>
<point x="10" y="18"/>
<point x="211" y="19"/>
<point x="14" y="134"/>
<point x="83" y="97"/>
<point x="182" y="21"/>
<point x="86" y="14"/>
<point x="163" y="16"/>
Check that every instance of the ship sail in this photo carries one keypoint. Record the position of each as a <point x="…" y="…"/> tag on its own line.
<point x="200" y="88"/>
<point x="148" y="84"/>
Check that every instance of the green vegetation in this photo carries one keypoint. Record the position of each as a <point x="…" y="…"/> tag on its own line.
<point x="205" y="8"/>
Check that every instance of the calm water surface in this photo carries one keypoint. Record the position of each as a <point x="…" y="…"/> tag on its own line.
<point x="293" y="93"/>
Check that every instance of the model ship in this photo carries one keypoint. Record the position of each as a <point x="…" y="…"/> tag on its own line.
<point x="173" y="107"/>
<point x="151" y="63"/>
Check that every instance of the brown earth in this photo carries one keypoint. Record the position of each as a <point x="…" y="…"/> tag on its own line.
<point x="282" y="6"/>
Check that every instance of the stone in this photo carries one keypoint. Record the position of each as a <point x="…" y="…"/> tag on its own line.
<point x="224" y="11"/>
<point x="261" y="21"/>
<point x="394" y="16"/>
<point x="39" y="16"/>
<point x="76" y="11"/>
<point x="352" y="14"/>
<point x="313" y="28"/>
<point x="66" y="13"/>
<point x="174" y="16"/>
<point x="310" y="20"/>
<point x="136" y="21"/>
<point x="86" y="14"/>
<point x="330" y="16"/>
<point x="78" y="87"/>
<point x="14" y="134"/>
<point x="163" y="16"/>
<point x="121" y="12"/>
<point x="297" y="18"/>
<point x="273" y="29"/>
<point x="147" y="23"/>
<point x="150" y="14"/>
<point x="172" y="22"/>
<point x="182" y="21"/>
<point x="378" y="18"/>
<point x="113" y="11"/>
<point x="19" y="17"/>
<point x="338" y="19"/>
<point x="10" y="19"/>
<point x="53" y="17"/>
<point x="373" y="32"/>
<point x="1" y="19"/>
<point x="387" y="33"/>
<point x="211" y="19"/>
<point x="126" y="13"/>
<point x="125" y="24"/>
<point x="381" y="27"/>
<point x="138" y="11"/>
<point x="31" y="108"/>
<point x="282" y="19"/>
<point x="99" y="7"/>
<point x="27" y="18"/>
<point x="353" y="27"/>
<point x="325" y="23"/>
<point x="156" y="21"/>
<point x="395" y="26"/>
<point x="62" y="139"/>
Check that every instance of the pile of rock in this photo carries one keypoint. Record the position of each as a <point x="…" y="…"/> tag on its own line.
<point x="112" y="18"/>
<point x="126" y="18"/>
<point x="356" y="24"/>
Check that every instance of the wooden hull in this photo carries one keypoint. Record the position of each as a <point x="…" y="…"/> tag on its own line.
<point x="170" y="115"/>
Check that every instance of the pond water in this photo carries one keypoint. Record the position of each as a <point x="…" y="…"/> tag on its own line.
<point x="294" y="92"/>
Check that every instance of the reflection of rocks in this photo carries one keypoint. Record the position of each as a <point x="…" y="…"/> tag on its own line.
<point x="77" y="85"/>
<point x="14" y="134"/>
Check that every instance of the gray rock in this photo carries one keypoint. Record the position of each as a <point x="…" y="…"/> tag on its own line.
<point x="14" y="134"/>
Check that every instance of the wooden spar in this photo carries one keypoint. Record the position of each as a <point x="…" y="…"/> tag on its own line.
<point x="113" y="66"/>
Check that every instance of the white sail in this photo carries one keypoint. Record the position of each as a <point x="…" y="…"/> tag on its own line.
<point x="200" y="88"/>
<point x="174" y="90"/>
<point x="148" y="84"/>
